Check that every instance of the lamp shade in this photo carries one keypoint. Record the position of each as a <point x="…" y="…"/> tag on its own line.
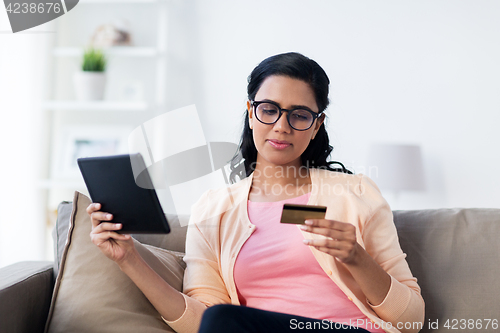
<point x="397" y="167"/>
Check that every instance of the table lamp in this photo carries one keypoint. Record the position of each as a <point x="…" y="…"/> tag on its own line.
<point x="398" y="168"/>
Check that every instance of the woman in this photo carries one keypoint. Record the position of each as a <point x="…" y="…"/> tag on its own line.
<point x="347" y="268"/>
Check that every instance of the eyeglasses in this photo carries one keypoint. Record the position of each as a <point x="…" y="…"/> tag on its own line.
<point x="268" y="112"/>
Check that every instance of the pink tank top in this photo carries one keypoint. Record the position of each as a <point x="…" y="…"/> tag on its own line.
<point x="275" y="271"/>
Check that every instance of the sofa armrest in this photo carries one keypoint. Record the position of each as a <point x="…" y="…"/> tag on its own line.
<point x="25" y="294"/>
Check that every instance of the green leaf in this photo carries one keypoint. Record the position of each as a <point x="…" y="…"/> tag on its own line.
<point x="93" y="60"/>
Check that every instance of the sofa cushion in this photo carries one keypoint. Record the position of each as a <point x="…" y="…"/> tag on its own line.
<point x="25" y="290"/>
<point x="92" y="294"/>
<point x="454" y="254"/>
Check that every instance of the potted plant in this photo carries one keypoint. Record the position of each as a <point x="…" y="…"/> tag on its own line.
<point x="90" y="81"/>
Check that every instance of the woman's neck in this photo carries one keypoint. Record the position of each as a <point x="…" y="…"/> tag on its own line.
<point x="279" y="182"/>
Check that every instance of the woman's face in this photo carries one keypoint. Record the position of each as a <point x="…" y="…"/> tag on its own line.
<point x="278" y="143"/>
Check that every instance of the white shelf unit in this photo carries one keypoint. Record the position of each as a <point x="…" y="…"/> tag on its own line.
<point x="115" y="51"/>
<point x="71" y="105"/>
<point x="69" y="184"/>
<point x="156" y="53"/>
<point x="60" y="110"/>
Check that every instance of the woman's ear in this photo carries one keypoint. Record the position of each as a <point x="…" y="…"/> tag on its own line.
<point x="319" y="122"/>
<point x="250" y="114"/>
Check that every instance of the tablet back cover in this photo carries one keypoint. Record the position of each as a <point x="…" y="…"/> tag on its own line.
<point x="110" y="181"/>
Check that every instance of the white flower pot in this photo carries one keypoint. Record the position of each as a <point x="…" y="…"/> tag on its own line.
<point x="89" y="86"/>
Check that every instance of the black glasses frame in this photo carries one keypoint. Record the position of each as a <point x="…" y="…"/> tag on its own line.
<point x="315" y="115"/>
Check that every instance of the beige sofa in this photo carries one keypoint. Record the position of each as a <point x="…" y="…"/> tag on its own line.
<point x="454" y="253"/>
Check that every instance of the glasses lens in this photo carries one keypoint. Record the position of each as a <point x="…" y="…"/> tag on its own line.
<point x="301" y="119"/>
<point x="267" y="113"/>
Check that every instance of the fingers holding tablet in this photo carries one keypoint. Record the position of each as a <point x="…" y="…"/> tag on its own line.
<point x="107" y="226"/>
<point x="93" y="207"/>
<point x="104" y="233"/>
<point x="96" y="216"/>
<point x="102" y="228"/>
<point x="105" y="236"/>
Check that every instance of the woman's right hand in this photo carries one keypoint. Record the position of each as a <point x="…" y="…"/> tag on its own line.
<point x="117" y="247"/>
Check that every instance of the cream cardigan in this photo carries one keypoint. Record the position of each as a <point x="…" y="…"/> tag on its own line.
<point x="219" y="226"/>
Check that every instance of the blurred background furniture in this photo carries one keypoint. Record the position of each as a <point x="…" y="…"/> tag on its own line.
<point x="398" y="168"/>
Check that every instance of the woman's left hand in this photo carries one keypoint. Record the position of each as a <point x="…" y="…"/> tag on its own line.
<point x="341" y="240"/>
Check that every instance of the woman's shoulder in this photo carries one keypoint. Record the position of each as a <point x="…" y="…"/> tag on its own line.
<point x="217" y="201"/>
<point x="349" y="194"/>
<point x="335" y="177"/>
<point x="338" y="183"/>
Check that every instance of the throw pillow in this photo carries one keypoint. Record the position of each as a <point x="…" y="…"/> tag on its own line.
<point x="92" y="294"/>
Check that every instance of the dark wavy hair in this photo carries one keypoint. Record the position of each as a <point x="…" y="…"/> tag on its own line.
<point x="296" y="66"/>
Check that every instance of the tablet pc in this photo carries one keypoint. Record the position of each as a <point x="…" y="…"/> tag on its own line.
<point x="110" y="182"/>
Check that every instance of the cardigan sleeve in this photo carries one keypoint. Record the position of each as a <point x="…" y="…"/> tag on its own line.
<point x="203" y="284"/>
<point x="403" y="303"/>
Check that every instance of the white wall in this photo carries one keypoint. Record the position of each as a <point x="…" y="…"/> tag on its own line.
<point x="23" y="63"/>
<point x="425" y="72"/>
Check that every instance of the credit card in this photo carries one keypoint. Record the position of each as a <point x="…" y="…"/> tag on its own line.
<point x="297" y="214"/>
